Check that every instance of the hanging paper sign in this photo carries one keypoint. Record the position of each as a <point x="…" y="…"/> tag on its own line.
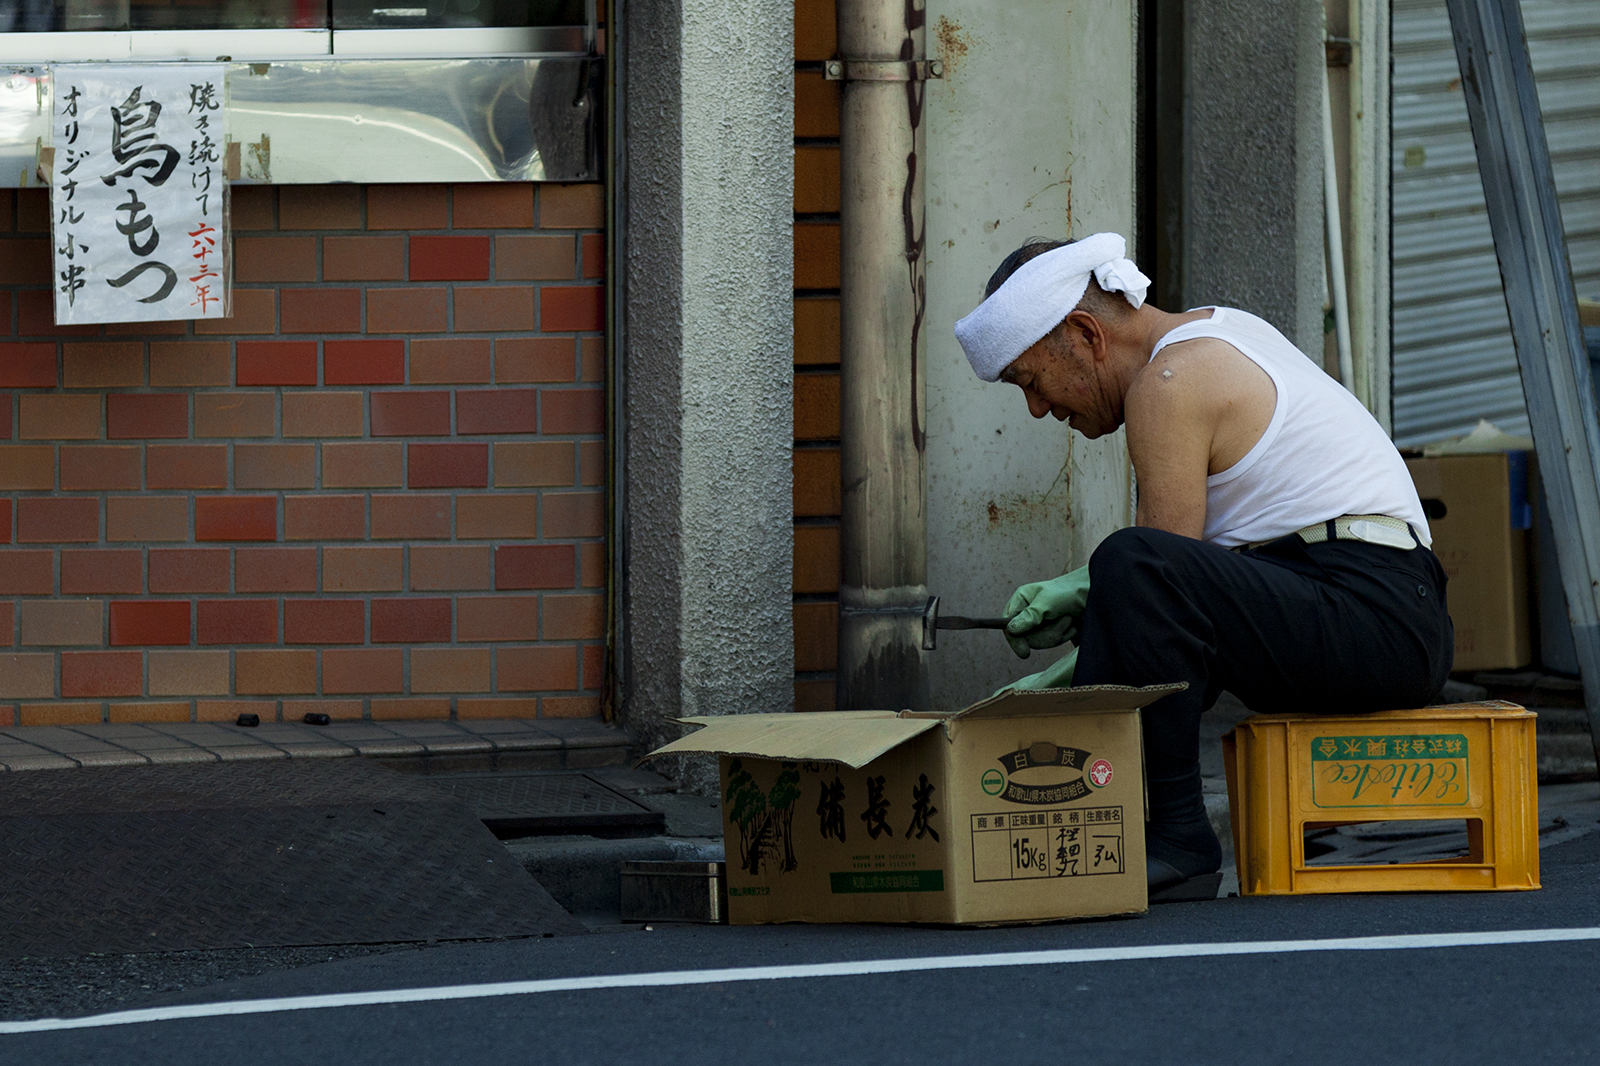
<point x="137" y="194"/>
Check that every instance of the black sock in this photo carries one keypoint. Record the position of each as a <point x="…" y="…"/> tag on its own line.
<point x="1178" y="831"/>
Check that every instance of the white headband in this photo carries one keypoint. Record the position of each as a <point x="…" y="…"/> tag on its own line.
<point x="1039" y="294"/>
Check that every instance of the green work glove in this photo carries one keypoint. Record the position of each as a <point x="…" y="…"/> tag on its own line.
<point x="1057" y="675"/>
<point x="1045" y="614"/>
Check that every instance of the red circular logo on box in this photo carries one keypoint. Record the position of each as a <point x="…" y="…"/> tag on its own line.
<point x="1100" y="773"/>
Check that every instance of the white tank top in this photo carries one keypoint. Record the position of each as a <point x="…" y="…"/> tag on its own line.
<point x="1322" y="455"/>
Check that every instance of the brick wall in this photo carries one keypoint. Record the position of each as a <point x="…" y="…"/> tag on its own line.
<point x="375" y="491"/>
<point x="816" y="352"/>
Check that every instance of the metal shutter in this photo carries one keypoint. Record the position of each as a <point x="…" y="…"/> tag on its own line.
<point x="1453" y="358"/>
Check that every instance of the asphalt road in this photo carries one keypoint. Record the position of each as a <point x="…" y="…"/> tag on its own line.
<point x="1480" y="1004"/>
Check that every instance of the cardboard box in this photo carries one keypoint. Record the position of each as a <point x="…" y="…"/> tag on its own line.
<point x="1478" y="511"/>
<point x="1025" y="807"/>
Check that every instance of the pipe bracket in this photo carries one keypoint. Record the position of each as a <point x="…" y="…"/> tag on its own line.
<point x="882" y="70"/>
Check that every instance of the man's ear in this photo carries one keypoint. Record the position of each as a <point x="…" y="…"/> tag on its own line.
<point x="1089" y="332"/>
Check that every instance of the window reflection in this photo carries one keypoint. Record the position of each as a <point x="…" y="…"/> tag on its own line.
<point x="45" y="16"/>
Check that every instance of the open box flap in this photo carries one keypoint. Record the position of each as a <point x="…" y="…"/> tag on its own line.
<point x="854" y="738"/>
<point x="1032" y="703"/>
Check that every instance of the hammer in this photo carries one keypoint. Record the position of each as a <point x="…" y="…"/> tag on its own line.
<point x="933" y="621"/>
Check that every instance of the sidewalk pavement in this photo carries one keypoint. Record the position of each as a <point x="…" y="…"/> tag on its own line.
<point x="484" y="744"/>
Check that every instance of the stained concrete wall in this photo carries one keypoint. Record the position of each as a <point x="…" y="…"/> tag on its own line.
<point x="1030" y="133"/>
<point x="708" y="93"/>
<point x="1252" y="208"/>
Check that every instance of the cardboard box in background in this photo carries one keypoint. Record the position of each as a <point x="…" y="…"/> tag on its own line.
<point x="1025" y="807"/>
<point x="1478" y="512"/>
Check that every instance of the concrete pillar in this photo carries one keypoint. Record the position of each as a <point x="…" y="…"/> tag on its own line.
<point x="706" y="336"/>
<point x="1252" y="207"/>
<point x="1030" y="133"/>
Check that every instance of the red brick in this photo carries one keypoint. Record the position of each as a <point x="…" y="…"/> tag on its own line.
<point x="573" y="617"/>
<point x="102" y="570"/>
<point x="446" y="567"/>
<point x="450" y="361"/>
<point x="36" y="317"/>
<point x="236" y="621"/>
<point x="574" y="514"/>
<point x="592" y="567"/>
<point x="319" y="207"/>
<point x="573" y="410"/>
<point x="447" y="466"/>
<point x="410" y="414"/>
<point x="272" y="671"/>
<point x="254" y="311"/>
<point x="534" y="359"/>
<point x="347" y="710"/>
<point x="180" y="364"/>
<point x="568" y="308"/>
<point x="101" y="673"/>
<point x="520" y="257"/>
<point x="132" y="416"/>
<point x="322" y="414"/>
<point x="497" y="411"/>
<point x="592" y="463"/>
<point x="275" y="259"/>
<point x="502" y="205"/>
<point x="496" y="707"/>
<point x="407" y="206"/>
<point x="569" y="707"/>
<point x="186" y="466"/>
<point x="364" y="258"/>
<point x="148" y="622"/>
<point x="409" y="710"/>
<point x="177" y="711"/>
<point x="450" y="669"/>
<point x="274" y="466"/>
<point x="362" y="670"/>
<point x="235" y="518"/>
<point x="592" y="356"/>
<point x="324" y="517"/>
<point x="27" y="572"/>
<point x="406" y="310"/>
<point x="324" y="621"/>
<point x="5" y="521"/>
<point x="375" y="464"/>
<point x="275" y="569"/>
<point x="102" y="365"/>
<point x="146" y="518"/>
<point x="410" y="621"/>
<point x="51" y="520"/>
<point x="253" y="206"/>
<point x="27" y="366"/>
<point x="364" y="362"/>
<point x="449" y="258"/>
<point x="90" y="467"/>
<point x="542" y="669"/>
<point x="235" y="414"/>
<point x="58" y="417"/>
<point x="28" y="466"/>
<point x="321" y="310"/>
<point x="59" y="714"/>
<point x="572" y="206"/>
<point x="494" y="310"/>
<point x="410" y="517"/>
<point x="594" y="662"/>
<point x="363" y="569"/>
<point x="594" y="255"/>
<point x="230" y="710"/>
<point x="497" y="618"/>
<point x="26" y="262"/>
<point x="535" y="566"/>
<point x="5" y="434"/>
<point x="147" y="329"/>
<point x="503" y="517"/>
<point x="524" y="464"/>
<point x="8" y="633"/>
<point x="188" y="570"/>
<point x="277" y="362"/>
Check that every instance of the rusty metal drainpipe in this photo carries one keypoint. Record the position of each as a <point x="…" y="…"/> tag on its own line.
<point x="884" y="529"/>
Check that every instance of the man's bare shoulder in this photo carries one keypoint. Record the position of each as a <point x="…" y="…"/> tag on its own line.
<point x="1205" y="372"/>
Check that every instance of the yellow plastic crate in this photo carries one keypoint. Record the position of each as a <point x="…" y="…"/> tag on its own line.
<point x="1472" y="761"/>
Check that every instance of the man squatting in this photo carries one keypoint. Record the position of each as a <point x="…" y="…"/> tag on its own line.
<point x="1281" y="552"/>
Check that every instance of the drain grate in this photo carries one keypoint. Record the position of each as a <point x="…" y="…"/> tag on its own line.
<point x="510" y="802"/>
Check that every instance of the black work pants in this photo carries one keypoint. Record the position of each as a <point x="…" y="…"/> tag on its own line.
<point x="1338" y="627"/>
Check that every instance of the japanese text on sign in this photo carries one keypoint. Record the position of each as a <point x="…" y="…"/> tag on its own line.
<point x="1063" y="843"/>
<point x="1423" y="770"/>
<point x="138" y="197"/>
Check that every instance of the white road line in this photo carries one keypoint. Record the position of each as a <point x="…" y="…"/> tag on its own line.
<point x="676" y="978"/>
